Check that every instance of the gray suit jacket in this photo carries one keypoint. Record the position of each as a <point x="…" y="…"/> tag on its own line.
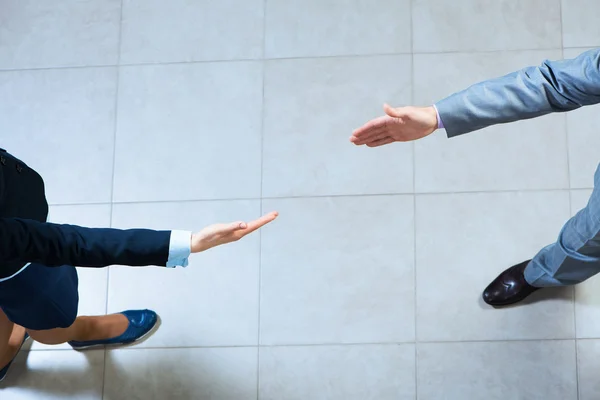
<point x="554" y="86"/>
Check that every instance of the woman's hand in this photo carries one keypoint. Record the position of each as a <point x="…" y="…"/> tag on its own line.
<point x="218" y="234"/>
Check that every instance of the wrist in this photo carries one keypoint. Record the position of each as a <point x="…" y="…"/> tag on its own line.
<point x="196" y="243"/>
<point x="438" y="121"/>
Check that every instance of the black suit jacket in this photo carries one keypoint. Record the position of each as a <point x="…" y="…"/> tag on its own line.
<point x="25" y="236"/>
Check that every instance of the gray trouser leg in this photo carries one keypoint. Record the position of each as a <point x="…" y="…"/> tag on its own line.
<point x="575" y="257"/>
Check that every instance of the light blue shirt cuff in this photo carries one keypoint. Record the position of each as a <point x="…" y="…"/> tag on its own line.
<point x="440" y="123"/>
<point x="180" y="248"/>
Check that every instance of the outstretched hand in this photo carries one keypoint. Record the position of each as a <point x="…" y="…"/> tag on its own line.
<point x="402" y="124"/>
<point x="218" y="234"/>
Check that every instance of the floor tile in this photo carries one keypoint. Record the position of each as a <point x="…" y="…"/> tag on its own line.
<point x="497" y="371"/>
<point x="463" y="242"/>
<point x="55" y="375"/>
<point x="61" y="123"/>
<point x="311" y="109"/>
<point x="583" y="139"/>
<point x="580" y="24"/>
<point x="354" y="284"/>
<point x="212" y="302"/>
<point x="360" y="372"/>
<point x="523" y="155"/>
<point x="92" y="281"/>
<point x="587" y="294"/>
<point x="181" y="138"/>
<point x="181" y="30"/>
<point x="588" y="352"/>
<point x="579" y="199"/>
<point x="38" y="34"/>
<point x="476" y="25"/>
<point x="312" y="28"/>
<point x="181" y="374"/>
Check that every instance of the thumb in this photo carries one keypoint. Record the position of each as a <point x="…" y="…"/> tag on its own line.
<point x="236" y="226"/>
<point x="394" y="112"/>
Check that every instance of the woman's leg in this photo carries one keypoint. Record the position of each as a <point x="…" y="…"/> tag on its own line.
<point x="84" y="329"/>
<point x="11" y="337"/>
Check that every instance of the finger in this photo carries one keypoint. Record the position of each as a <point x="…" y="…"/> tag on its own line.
<point x="260" y="222"/>
<point x="373" y="132"/>
<point x="371" y="136"/>
<point x="374" y="124"/>
<point x="378" y="136"/>
<point x="381" y="142"/>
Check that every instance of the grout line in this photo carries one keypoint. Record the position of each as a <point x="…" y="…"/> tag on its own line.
<point x="67" y="67"/>
<point x="582" y="48"/>
<point x="349" y="344"/>
<point x="260" y="234"/>
<point x="474" y="192"/>
<point x="574" y="290"/>
<point x="414" y="176"/>
<point x="476" y="52"/>
<point x="560" y="11"/>
<point x="108" y="203"/>
<point x="495" y="341"/>
<point x="577" y="367"/>
<point x="112" y="186"/>
<point x="316" y="57"/>
<point x="575" y="319"/>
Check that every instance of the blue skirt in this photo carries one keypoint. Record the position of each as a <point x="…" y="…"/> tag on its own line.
<point x="41" y="298"/>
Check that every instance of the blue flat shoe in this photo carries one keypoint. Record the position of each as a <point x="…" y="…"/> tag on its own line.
<point x="4" y="370"/>
<point x="141" y="323"/>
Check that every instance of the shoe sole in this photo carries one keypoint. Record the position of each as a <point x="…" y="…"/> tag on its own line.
<point x="512" y="302"/>
<point x="139" y="340"/>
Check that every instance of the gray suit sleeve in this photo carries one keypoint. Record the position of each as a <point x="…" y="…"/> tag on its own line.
<point x="554" y="86"/>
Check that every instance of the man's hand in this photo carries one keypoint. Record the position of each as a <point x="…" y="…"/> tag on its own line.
<point x="401" y="124"/>
<point x="218" y="234"/>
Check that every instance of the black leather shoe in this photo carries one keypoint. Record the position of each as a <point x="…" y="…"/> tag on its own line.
<point x="509" y="287"/>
